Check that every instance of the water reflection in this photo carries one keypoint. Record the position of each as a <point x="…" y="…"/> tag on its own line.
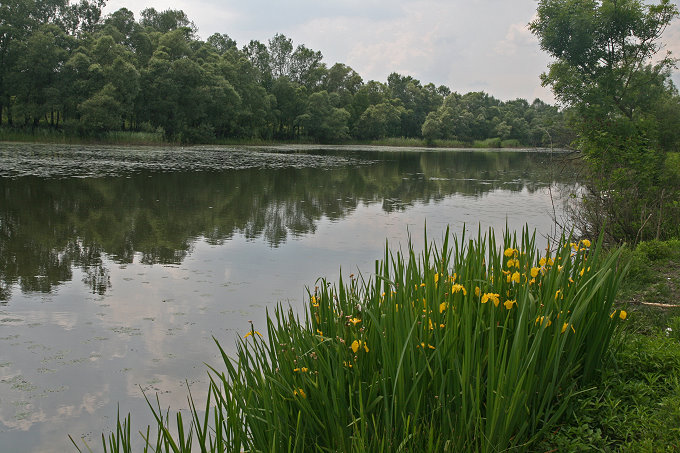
<point x="118" y="270"/>
<point x="51" y="225"/>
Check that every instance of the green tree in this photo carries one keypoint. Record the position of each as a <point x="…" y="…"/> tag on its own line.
<point x="101" y="112"/>
<point x="258" y="55"/>
<point x="379" y="121"/>
<point x="168" y="20"/>
<point x="281" y="52"/>
<point x="306" y="67"/>
<point x="323" y="121"/>
<point x="607" y="69"/>
<point x="36" y="81"/>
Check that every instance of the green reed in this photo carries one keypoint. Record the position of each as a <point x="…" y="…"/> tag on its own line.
<point x="474" y="345"/>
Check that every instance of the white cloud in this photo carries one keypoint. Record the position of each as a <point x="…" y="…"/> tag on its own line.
<point x="518" y="37"/>
<point x="466" y="45"/>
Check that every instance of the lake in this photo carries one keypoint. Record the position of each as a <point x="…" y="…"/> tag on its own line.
<point x="119" y="265"/>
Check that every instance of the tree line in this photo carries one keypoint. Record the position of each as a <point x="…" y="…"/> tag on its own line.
<point x="68" y="67"/>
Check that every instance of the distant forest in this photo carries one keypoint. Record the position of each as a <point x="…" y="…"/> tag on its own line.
<point x="67" y="67"/>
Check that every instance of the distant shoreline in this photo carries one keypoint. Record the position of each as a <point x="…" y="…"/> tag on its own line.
<point x="153" y="139"/>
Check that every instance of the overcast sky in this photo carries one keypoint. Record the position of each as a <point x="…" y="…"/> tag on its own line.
<point x="467" y="45"/>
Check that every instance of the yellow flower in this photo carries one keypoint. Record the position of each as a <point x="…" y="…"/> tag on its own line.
<point x="300" y="392"/>
<point x="623" y="314"/>
<point x="564" y="328"/>
<point x="491" y="297"/>
<point x="314" y="301"/>
<point x="319" y="332"/>
<point x="559" y="294"/>
<point x="251" y="333"/>
<point x="582" y="271"/>
<point x="301" y="370"/>
<point x="443" y="306"/>
<point x="511" y="262"/>
<point x="540" y="320"/>
<point x="509" y="303"/>
<point x="534" y="272"/>
<point x="477" y="291"/>
<point x="586" y="243"/>
<point x="456" y="288"/>
<point x="355" y="321"/>
<point x="542" y="262"/>
<point x="509" y="252"/>
<point x="551" y="261"/>
<point x="356" y="344"/>
<point x="347" y="364"/>
<point x="422" y="345"/>
<point x="515" y="277"/>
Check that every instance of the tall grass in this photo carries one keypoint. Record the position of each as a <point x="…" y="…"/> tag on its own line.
<point x="61" y="137"/>
<point x="474" y="345"/>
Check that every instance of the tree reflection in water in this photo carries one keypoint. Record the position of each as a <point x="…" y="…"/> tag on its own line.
<point x="51" y="225"/>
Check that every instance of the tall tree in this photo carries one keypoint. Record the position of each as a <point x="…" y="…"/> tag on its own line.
<point x="607" y="68"/>
<point x="280" y="51"/>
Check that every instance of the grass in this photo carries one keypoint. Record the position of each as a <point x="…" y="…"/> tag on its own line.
<point x="418" y="142"/>
<point x="471" y="346"/>
<point x="58" y="136"/>
<point x="636" y="408"/>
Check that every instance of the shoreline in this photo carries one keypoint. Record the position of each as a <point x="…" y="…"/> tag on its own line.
<point x="152" y="139"/>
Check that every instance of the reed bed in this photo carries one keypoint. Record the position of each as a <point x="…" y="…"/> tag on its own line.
<point x="473" y="345"/>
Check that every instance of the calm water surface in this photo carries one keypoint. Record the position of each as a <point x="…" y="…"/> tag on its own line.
<point x="118" y="266"/>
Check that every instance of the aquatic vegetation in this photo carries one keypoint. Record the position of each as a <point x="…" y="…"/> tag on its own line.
<point x="473" y="345"/>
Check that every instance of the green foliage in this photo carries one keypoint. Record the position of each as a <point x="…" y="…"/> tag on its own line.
<point x="636" y="408"/>
<point x="626" y="110"/>
<point x="101" y="112"/>
<point x="323" y="121"/>
<point x="473" y="346"/>
<point x="164" y="76"/>
<point x="488" y="143"/>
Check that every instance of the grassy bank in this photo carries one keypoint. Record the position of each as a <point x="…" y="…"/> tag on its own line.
<point x="475" y="345"/>
<point x="59" y="137"/>
<point x="636" y="408"/>
<point x="157" y="139"/>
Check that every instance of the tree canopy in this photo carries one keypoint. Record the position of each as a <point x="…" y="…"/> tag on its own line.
<point x="67" y="67"/>
<point x="610" y="68"/>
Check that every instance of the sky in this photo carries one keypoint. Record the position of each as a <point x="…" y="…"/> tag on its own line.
<point x="467" y="45"/>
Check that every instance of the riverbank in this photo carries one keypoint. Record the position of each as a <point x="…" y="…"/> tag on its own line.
<point x="129" y="138"/>
<point x="636" y="408"/>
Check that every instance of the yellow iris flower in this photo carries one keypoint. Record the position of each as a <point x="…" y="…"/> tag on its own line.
<point x="356" y="344"/>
